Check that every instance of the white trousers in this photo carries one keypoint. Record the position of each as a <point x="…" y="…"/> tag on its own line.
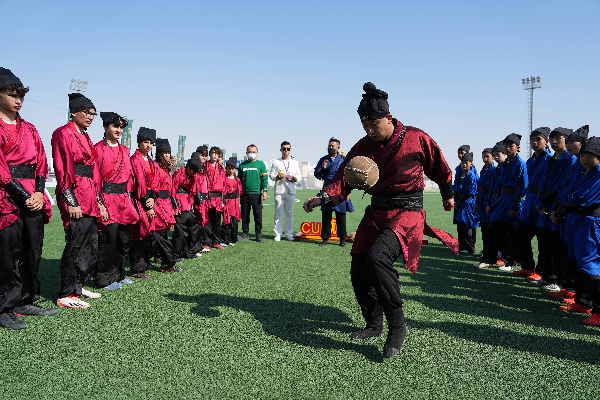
<point x="284" y="204"/>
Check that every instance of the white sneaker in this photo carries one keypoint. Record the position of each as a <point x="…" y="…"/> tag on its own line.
<point x="482" y="265"/>
<point x="505" y="268"/>
<point x="223" y="244"/>
<point x="277" y="238"/>
<point x="553" y="288"/>
<point x="112" y="286"/>
<point x="205" y="249"/>
<point x="230" y="244"/>
<point x="72" y="302"/>
<point x="90" y="295"/>
<point x="125" y="281"/>
<point x="463" y="252"/>
<point x="290" y="238"/>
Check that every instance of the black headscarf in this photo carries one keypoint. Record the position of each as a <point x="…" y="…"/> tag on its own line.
<point x="467" y="157"/>
<point x="564" y="132"/>
<point x="465" y="147"/>
<point x="374" y="104"/>
<point x="542" y="131"/>
<point x="488" y="150"/>
<point x="194" y="162"/>
<point x="514" y="138"/>
<point x="592" y="146"/>
<point x="7" y="78"/>
<point x="112" y="118"/>
<point x="78" y="102"/>
<point x="498" y="147"/>
<point x="580" y="135"/>
<point x="162" y="146"/>
<point x="232" y="161"/>
<point x="146" y="134"/>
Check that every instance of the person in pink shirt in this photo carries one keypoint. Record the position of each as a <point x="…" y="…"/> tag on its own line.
<point x="186" y="234"/>
<point x="231" y="210"/>
<point x="115" y="183"/>
<point x="215" y="177"/>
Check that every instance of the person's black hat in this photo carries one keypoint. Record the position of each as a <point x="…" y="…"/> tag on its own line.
<point x="162" y="146"/>
<point x="194" y="162"/>
<point x="109" y="118"/>
<point x="78" y="102"/>
<point x="498" y="147"/>
<point x="146" y="134"/>
<point x="542" y="131"/>
<point x="592" y="146"/>
<point x="514" y="138"/>
<point x="467" y="157"/>
<point x="488" y="150"/>
<point x="232" y="161"/>
<point x="201" y="149"/>
<point x="580" y="135"/>
<point x="374" y="104"/>
<point x="565" y="132"/>
<point x="7" y="78"/>
<point x="465" y="147"/>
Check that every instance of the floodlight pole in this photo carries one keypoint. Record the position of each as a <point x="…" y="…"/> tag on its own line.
<point x="78" y="86"/>
<point x="531" y="83"/>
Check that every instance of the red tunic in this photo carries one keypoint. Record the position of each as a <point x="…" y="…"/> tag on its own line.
<point x="215" y="177"/>
<point x="417" y="154"/>
<point x="183" y="181"/>
<point x="165" y="218"/>
<point x="70" y="147"/>
<point x="115" y="167"/>
<point x="201" y="210"/>
<point x="143" y="180"/>
<point x="232" y="206"/>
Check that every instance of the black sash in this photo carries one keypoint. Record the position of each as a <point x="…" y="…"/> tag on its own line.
<point x="114" y="188"/>
<point x="23" y="171"/>
<point x="407" y="201"/>
<point x="83" y="170"/>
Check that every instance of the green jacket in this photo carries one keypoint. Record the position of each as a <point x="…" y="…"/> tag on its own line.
<point x="250" y="174"/>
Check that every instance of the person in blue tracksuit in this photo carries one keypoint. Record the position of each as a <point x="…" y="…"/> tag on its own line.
<point x="465" y="192"/>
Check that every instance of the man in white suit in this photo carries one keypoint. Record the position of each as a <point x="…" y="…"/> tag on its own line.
<point x="285" y="171"/>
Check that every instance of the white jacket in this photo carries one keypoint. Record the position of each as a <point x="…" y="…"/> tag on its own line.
<point x="289" y="167"/>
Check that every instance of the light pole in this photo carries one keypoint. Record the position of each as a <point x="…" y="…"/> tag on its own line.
<point x="78" y="86"/>
<point x="531" y="84"/>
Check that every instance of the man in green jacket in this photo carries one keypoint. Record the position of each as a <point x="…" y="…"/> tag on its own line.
<point x="253" y="174"/>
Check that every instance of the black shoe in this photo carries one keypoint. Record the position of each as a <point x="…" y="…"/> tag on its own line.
<point x="34" y="309"/>
<point x="8" y="320"/>
<point x="174" y="268"/>
<point x="394" y="341"/>
<point x="366" y="333"/>
<point x="140" y="275"/>
<point x="342" y="243"/>
<point x="323" y="243"/>
<point x="259" y="238"/>
<point x="244" y="237"/>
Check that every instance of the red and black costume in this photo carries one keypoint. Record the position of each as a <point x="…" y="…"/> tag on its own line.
<point x="231" y="210"/>
<point x="215" y="180"/>
<point x="114" y="235"/>
<point x="165" y="218"/>
<point x="186" y="234"/>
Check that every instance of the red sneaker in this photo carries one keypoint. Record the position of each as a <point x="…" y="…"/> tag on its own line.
<point x="534" y="277"/>
<point x="594" y="320"/>
<point x="563" y="294"/>
<point x="499" y="263"/>
<point x="218" y="246"/>
<point x="576" y="308"/>
<point x="568" y="301"/>
<point x="524" y="272"/>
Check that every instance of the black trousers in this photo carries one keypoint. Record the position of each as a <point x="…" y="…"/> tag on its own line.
<point x="114" y="242"/>
<point x="32" y="241"/>
<point x="79" y="256"/>
<point x="186" y="235"/>
<point x="230" y="231"/>
<point x="501" y="237"/>
<point x="523" y="252"/>
<point x="10" y="253"/>
<point x="340" y="220"/>
<point x="375" y="282"/>
<point x="551" y="258"/>
<point x="215" y="226"/>
<point x="253" y="201"/>
<point x="141" y="251"/>
<point x="591" y="283"/>
<point x="160" y="240"/>
<point x="466" y="237"/>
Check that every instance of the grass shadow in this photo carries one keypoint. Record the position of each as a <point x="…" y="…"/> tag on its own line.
<point x="300" y="323"/>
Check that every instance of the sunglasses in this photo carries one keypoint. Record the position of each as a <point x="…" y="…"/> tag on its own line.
<point x="286" y="149"/>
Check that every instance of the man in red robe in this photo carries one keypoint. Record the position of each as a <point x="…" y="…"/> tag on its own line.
<point x="115" y="183"/>
<point x="75" y="164"/>
<point x="23" y="207"/>
<point x="394" y="223"/>
<point x="186" y="234"/>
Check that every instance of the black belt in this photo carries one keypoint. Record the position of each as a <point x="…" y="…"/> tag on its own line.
<point x="216" y="194"/>
<point x="114" y="188"/>
<point x="483" y="190"/>
<point x="407" y="201"/>
<point x="508" y="190"/>
<point x="182" y="191"/>
<point x="164" y="194"/>
<point x="202" y="196"/>
<point x="532" y="188"/>
<point x="231" y="195"/>
<point x="83" y="170"/>
<point x="593" y="210"/>
<point x="462" y="196"/>
<point x="22" y="171"/>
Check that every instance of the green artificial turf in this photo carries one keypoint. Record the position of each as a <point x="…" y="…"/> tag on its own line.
<point x="271" y="320"/>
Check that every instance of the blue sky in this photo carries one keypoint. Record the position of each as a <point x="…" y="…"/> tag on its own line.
<point x="230" y="73"/>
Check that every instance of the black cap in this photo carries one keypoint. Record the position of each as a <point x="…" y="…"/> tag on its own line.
<point x="542" y="131"/>
<point x="488" y="150"/>
<point x="580" y="135"/>
<point x="592" y="146"/>
<point x="467" y="157"/>
<point x="513" y="138"/>
<point x="78" y="102"/>
<point x="202" y="149"/>
<point x="162" y="146"/>
<point x="110" y="118"/>
<point x="146" y="134"/>
<point x="194" y="162"/>
<point x="7" y="78"/>
<point x="465" y="147"/>
<point x="565" y="132"/>
<point x="498" y="148"/>
<point x="232" y="161"/>
<point x="374" y="104"/>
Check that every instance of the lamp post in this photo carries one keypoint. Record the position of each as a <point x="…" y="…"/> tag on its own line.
<point x="531" y="84"/>
<point x="78" y="86"/>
